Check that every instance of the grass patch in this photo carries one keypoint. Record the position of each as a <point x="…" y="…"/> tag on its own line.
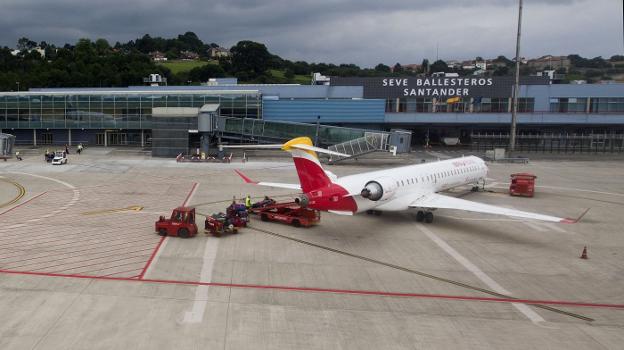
<point x="179" y="66"/>
<point x="297" y="79"/>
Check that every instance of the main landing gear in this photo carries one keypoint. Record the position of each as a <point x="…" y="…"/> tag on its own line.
<point x="425" y="216"/>
<point x="374" y="212"/>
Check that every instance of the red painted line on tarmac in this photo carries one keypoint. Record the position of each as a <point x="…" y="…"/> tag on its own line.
<point x="330" y="290"/>
<point x="77" y="261"/>
<point x="23" y="203"/>
<point x="151" y="258"/>
<point x="65" y="241"/>
<point x="104" y="263"/>
<point x="188" y="196"/>
<point x="117" y="273"/>
<point x="58" y="252"/>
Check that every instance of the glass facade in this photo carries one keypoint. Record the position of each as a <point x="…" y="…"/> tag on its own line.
<point x="465" y="105"/>
<point x="606" y="105"/>
<point x="127" y="110"/>
<point x="568" y="105"/>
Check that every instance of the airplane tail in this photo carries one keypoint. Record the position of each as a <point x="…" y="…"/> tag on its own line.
<point x="311" y="174"/>
<point x="309" y="168"/>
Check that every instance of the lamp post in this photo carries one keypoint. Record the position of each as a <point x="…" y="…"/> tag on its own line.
<point x="514" y="110"/>
<point x="318" y="125"/>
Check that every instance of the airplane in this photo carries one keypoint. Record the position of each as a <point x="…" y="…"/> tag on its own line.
<point x="413" y="187"/>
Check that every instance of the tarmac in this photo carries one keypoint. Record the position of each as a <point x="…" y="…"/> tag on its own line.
<point x="82" y="268"/>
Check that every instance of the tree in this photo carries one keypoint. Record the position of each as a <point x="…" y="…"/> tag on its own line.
<point x="249" y="56"/>
<point x="439" y="66"/>
<point x="101" y="46"/>
<point x="424" y="66"/>
<point x="382" y="68"/>
<point x="25" y="44"/>
<point x="206" y="72"/>
<point x="289" y="74"/>
<point x="397" y="69"/>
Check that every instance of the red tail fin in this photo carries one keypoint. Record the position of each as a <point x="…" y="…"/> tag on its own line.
<point x="311" y="174"/>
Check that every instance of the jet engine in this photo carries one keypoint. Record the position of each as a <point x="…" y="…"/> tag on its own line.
<point x="381" y="189"/>
<point x="302" y="200"/>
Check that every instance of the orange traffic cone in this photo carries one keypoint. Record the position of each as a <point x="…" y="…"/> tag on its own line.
<point x="584" y="254"/>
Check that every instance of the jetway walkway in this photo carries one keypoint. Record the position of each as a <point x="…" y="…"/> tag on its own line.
<point x="262" y="131"/>
<point x="352" y="141"/>
<point x="369" y="143"/>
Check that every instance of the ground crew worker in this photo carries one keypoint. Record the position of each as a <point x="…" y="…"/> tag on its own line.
<point x="248" y="202"/>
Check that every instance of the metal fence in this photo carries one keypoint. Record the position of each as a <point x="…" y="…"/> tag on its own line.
<point x="551" y="143"/>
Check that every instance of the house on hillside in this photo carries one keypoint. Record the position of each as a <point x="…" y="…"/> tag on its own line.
<point x="218" y="52"/>
<point x="189" y="55"/>
<point x="37" y="49"/>
<point x="453" y="64"/>
<point x="412" y="67"/>
<point x="550" y="62"/>
<point x="157" y="56"/>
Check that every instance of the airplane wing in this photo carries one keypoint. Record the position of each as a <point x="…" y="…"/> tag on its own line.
<point x="268" y="184"/>
<point x="436" y="200"/>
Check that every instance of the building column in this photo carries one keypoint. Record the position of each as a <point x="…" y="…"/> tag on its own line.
<point x="398" y="100"/>
<point x="142" y="139"/>
<point x="105" y="138"/>
<point x="471" y="106"/>
<point x="35" y="137"/>
<point x="69" y="136"/>
<point x="434" y="105"/>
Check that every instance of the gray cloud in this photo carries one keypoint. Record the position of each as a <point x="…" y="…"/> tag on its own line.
<point x="361" y="31"/>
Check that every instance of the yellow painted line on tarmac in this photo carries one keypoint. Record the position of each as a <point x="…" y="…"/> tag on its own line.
<point x="20" y="189"/>
<point x="115" y="210"/>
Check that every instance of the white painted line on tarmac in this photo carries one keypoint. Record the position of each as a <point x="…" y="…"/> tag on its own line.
<point x="196" y="314"/>
<point x="523" y="308"/>
<point x="155" y="260"/>
<point x="48" y="178"/>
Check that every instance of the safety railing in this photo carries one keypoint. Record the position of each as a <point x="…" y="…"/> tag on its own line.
<point x="371" y="142"/>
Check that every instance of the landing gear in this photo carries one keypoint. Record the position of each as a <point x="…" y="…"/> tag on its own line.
<point x="428" y="217"/>
<point x="425" y="216"/>
<point x="474" y="189"/>
<point x="374" y="212"/>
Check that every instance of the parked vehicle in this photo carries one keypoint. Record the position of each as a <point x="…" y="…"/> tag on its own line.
<point x="60" y="157"/>
<point x="181" y="224"/>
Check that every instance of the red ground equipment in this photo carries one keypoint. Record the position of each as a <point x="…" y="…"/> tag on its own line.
<point x="289" y="213"/>
<point x="235" y="217"/>
<point x="522" y="184"/>
<point x="181" y="224"/>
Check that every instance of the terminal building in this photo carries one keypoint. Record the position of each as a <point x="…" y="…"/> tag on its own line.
<point x="431" y="108"/>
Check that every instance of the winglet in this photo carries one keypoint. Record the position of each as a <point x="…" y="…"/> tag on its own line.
<point x="245" y="178"/>
<point x="574" y="221"/>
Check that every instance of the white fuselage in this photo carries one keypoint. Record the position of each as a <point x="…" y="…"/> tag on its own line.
<point x="405" y="184"/>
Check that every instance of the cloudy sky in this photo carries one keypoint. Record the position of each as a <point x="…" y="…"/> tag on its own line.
<point x="364" y="32"/>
